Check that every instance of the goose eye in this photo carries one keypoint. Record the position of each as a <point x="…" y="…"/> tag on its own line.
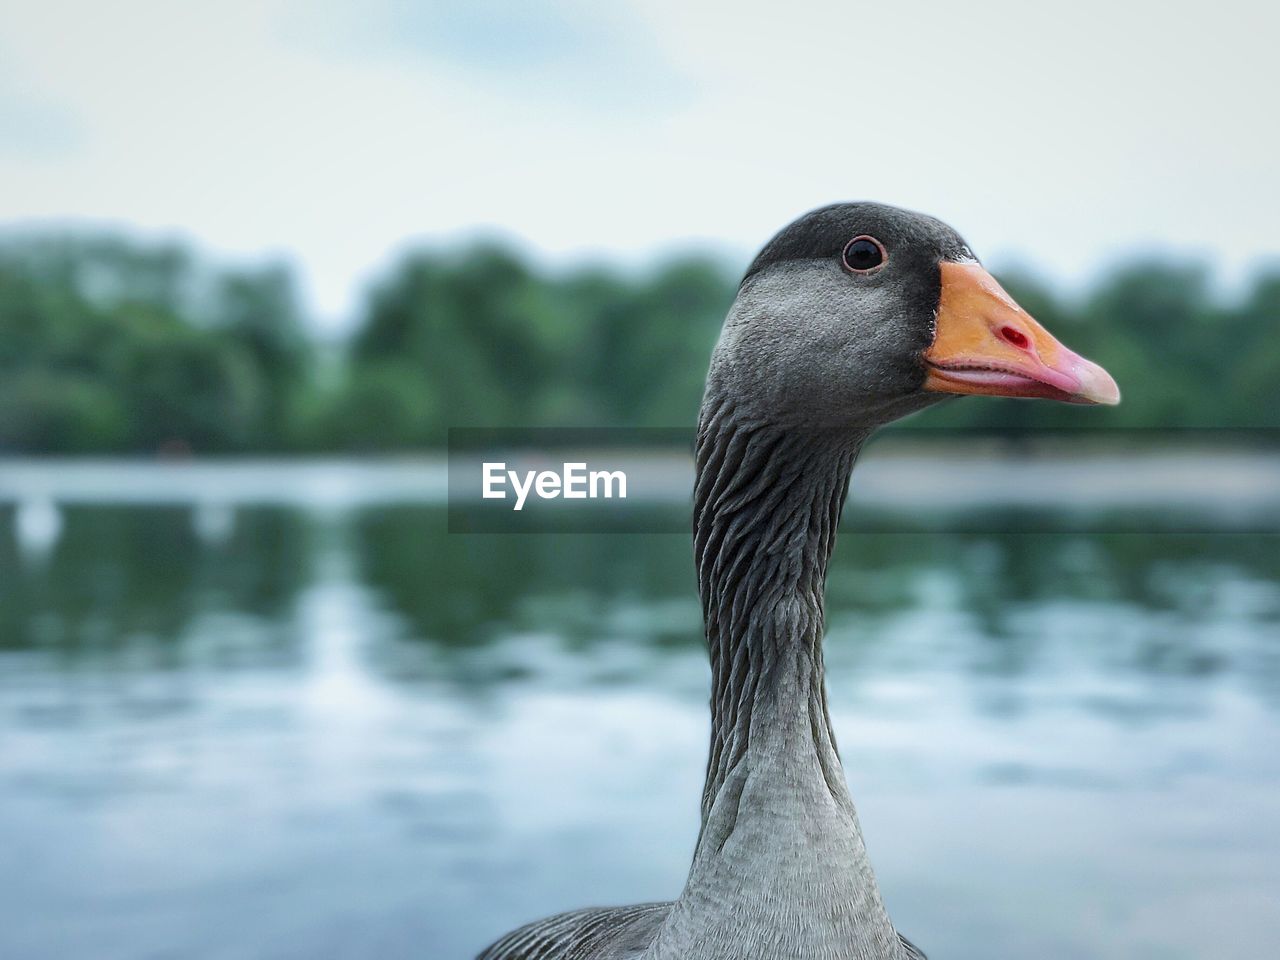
<point x="864" y="254"/>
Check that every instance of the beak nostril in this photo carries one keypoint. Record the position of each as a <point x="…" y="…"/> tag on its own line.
<point x="1015" y="338"/>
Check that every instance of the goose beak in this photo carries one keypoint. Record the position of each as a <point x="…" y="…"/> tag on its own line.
<point x="984" y="343"/>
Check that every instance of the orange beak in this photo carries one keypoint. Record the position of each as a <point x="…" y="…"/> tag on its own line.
<point x="984" y="343"/>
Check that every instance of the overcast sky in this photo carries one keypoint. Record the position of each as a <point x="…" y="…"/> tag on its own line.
<point x="1063" y="136"/>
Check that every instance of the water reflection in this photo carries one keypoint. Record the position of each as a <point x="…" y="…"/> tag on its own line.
<point x="262" y="731"/>
<point x="119" y="580"/>
<point x="466" y="590"/>
<point x="1012" y="595"/>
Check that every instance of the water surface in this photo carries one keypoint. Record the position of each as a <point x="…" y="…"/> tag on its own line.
<point x="311" y="731"/>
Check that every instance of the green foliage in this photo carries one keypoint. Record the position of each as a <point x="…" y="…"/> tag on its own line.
<point x="477" y="329"/>
<point x="49" y="411"/>
<point x="108" y="346"/>
<point x="385" y="405"/>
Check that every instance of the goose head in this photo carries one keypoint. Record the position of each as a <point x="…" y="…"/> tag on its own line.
<point x="859" y="313"/>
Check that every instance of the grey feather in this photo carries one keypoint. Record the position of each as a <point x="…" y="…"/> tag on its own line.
<point x="599" y="933"/>
<point x="594" y="933"/>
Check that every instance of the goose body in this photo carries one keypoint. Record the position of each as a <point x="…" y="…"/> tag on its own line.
<point x="851" y="317"/>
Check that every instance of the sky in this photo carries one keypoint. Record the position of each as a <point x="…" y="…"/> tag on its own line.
<point x="1062" y="137"/>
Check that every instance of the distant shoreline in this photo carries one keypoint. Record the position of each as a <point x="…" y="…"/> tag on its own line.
<point x="895" y="473"/>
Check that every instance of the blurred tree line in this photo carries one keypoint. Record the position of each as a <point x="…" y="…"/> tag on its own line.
<point x="112" y="346"/>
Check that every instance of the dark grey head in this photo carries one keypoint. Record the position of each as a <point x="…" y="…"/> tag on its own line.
<point x="859" y="313"/>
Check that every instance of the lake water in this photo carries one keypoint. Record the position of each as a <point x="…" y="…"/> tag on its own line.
<point x="315" y="725"/>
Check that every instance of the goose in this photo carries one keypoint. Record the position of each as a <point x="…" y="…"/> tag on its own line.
<point x="854" y="315"/>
